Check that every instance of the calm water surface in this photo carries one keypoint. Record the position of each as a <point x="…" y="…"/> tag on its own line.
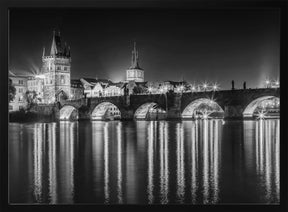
<point x="144" y="162"/>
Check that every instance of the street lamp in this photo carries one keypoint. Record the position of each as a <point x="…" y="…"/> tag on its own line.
<point x="215" y="87"/>
<point x="205" y="85"/>
<point x="267" y="82"/>
<point x="150" y="89"/>
<point x="193" y="88"/>
<point x="277" y="83"/>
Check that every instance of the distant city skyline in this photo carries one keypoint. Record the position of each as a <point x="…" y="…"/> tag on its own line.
<point x="197" y="46"/>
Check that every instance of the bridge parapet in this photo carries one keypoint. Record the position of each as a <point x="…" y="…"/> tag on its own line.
<point x="233" y="102"/>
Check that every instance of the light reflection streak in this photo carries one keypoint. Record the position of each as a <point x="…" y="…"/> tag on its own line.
<point x="166" y="163"/>
<point x="267" y="150"/>
<point x="261" y="146"/>
<point x="210" y="160"/>
<point x="257" y="145"/>
<point x="268" y="160"/>
<point x="38" y="160"/>
<point x="150" y="162"/>
<point x="205" y="162"/>
<point x="277" y="160"/>
<point x="163" y="163"/>
<point x="97" y="155"/>
<point x="67" y="130"/>
<point x="119" y="165"/>
<point x="52" y="164"/>
<point x="180" y="163"/>
<point x="194" y="160"/>
<point x="216" y="162"/>
<point x="106" y="164"/>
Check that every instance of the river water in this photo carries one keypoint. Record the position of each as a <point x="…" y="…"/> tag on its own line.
<point x="145" y="162"/>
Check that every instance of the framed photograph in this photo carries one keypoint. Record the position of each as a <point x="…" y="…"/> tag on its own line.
<point x="145" y="105"/>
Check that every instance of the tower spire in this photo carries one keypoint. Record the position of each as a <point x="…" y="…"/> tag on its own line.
<point x="53" y="46"/>
<point x="134" y="62"/>
<point x="43" y="51"/>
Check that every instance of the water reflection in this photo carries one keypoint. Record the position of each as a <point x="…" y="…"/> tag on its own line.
<point x="164" y="168"/>
<point x="106" y="164"/>
<point x="97" y="156"/>
<point x="46" y="133"/>
<point x="52" y="163"/>
<point x="267" y="153"/>
<point x="119" y="163"/>
<point x="149" y="162"/>
<point x="150" y="152"/>
<point x="67" y="143"/>
<point x="38" y="160"/>
<point x="180" y="163"/>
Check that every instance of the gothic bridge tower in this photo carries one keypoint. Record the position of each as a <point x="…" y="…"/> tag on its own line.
<point x="56" y="68"/>
<point x="135" y="73"/>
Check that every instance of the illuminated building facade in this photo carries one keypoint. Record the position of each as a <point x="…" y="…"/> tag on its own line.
<point x="36" y="84"/>
<point x="20" y="84"/>
<point x="56" y="71"/>
<point x="101" y="88"/>
<point x="114" y="89"/>
<point x="77" y="90"/>
<point x="135" y="73"/>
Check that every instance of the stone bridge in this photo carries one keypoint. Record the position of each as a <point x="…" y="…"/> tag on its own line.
<point x="234" y="103"/>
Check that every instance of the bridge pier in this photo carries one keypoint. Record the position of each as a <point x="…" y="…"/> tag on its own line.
<point x="233" y="112"/>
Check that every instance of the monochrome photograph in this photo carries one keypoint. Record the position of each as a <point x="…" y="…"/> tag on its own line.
<point x="144" y="106"/>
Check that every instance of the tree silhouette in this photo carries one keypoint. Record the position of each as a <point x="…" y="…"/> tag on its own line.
<point x="12" y="91"/>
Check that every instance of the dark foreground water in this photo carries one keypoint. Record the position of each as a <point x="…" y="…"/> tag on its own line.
<point x="143" y="162"/>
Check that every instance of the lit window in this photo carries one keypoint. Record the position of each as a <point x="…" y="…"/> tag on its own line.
<point x="62" y="79"/>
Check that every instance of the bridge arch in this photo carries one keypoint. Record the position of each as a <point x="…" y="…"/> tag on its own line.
<point x="68" y="112"/>
<point x="150" y="110"/>
<point x="257" y="103"/>
<point x="105" y="111"/>
<point x="202" y="108"/>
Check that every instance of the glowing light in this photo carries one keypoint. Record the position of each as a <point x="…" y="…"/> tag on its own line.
<point x="40" y="76"/>
<point x="261" y="115"/>
<point x="150" y="89"/>
<point x="267" y="82"/>
<point x="205" y="116"/>
<point x="215" y="87"/>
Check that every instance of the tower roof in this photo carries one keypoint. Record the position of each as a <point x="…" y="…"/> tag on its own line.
<point x="56" y="47"/>
<point x="135" y="59"/>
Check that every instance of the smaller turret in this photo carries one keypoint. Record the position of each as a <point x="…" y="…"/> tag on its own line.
<point x="43" y="55"/>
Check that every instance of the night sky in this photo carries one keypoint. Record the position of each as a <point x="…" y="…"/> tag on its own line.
<point x="196" y="45"/>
